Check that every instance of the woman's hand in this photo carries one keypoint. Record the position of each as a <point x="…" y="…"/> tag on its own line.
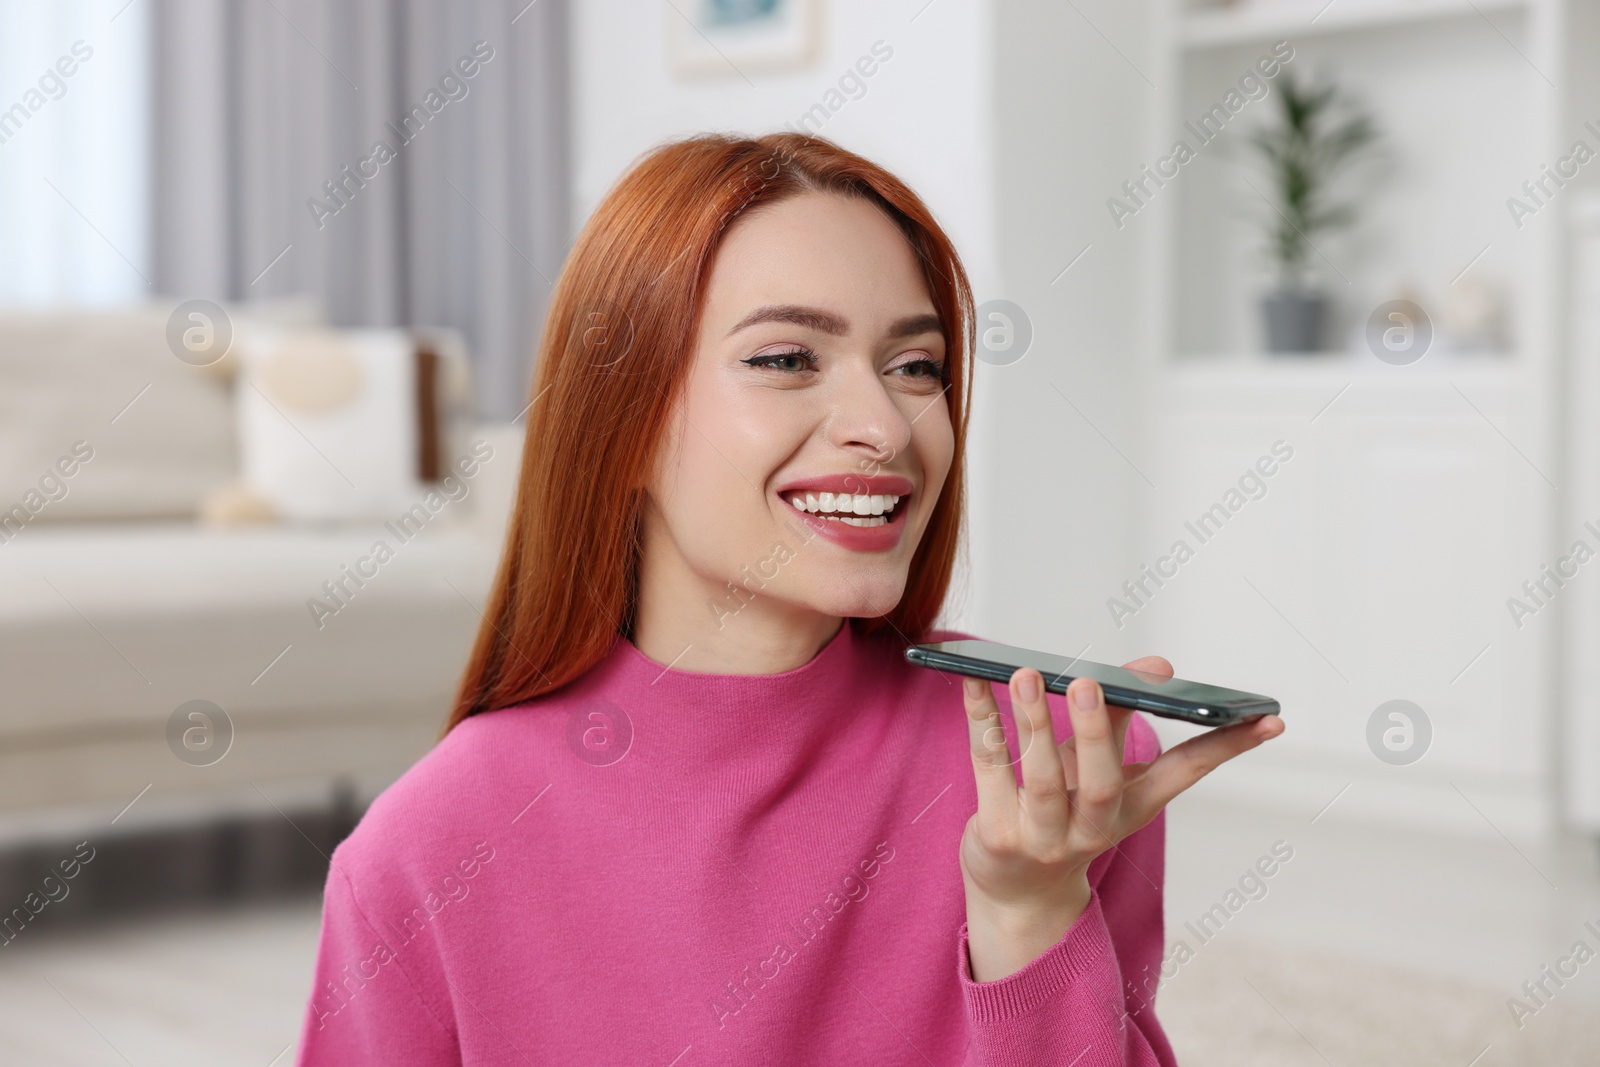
<point x="1025" y="854"/>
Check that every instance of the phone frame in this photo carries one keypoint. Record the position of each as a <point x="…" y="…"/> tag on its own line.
<point x="1213" y="713"/>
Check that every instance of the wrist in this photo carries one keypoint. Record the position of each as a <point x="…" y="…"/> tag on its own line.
<point x="1003" y="937"/>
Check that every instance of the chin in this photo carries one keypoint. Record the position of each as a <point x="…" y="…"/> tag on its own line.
<point x="864" y="596"/>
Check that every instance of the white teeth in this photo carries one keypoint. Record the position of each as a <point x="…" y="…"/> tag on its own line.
<point x="858" y="509"/>
<point x="854" y="520"/>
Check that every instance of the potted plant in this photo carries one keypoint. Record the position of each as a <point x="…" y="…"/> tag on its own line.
<point x="1317" y="135"/>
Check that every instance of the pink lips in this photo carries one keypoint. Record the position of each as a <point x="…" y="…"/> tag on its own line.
<point x="858" y="538"/>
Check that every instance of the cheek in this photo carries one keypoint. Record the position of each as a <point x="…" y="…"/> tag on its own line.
<point x="708" y="480"/>
<point x="713" y="479"/>
<point x="934" y="440"/>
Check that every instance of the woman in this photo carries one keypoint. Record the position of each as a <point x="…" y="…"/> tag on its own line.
<point x="693" y="807"/>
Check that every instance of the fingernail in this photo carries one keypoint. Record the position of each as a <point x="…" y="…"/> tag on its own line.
<point x="974" y="688"/>
<point x="1086" y="697"/>
<point x="1028" y="687"/>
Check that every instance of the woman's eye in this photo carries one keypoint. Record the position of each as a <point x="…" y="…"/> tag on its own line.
<point x="925" y="369"/>
<point x="797" y="360"/>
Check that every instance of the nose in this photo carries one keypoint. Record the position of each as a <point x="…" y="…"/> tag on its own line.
<point x="866" y="420"/>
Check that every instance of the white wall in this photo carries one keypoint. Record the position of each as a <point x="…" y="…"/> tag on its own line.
<point x="1060" y="426"/>
<point x="924" y="115"/>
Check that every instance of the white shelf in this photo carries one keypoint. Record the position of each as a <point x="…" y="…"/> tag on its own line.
<point x="1267" y="20"/>
<point x="1438" y="357"/>
<point x="1411" y="472"/>
<point x="1324" y="369"/>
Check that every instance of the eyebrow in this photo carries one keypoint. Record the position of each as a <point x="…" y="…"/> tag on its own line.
<point x="827" y="322"/>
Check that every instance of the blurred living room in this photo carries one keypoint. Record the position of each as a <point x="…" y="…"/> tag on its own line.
<point x="1287" y="352"/>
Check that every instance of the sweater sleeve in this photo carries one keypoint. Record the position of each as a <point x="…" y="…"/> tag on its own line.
<point x="367" y="1004"/>
<point x="1088" y="1001"/>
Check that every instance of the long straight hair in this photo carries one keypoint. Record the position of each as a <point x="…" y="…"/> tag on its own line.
<point x="612" y="362"/>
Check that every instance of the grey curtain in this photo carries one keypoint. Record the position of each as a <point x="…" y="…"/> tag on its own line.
<point x="404" y="160"/>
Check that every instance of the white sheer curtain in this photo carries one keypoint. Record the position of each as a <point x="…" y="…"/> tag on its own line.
<point x="74" y="152"/>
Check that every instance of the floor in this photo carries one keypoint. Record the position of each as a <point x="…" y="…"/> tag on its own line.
<point x="225" y="988"/>
<point x="1374" y="946"/>
<point x="1365" y="946"/>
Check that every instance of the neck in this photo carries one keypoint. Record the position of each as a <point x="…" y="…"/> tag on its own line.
<point x="695" y="624"/>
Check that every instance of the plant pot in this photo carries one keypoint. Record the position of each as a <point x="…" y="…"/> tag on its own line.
<point x="1293" y="319"/>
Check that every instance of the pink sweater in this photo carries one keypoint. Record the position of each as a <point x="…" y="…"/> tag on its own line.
<point x="658" y="867"/>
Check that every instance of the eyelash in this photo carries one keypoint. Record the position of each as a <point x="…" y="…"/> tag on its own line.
<point x="810" y="358"/>
<point x="762" y="361"/>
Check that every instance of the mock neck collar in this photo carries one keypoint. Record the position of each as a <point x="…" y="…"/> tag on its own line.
<point x="738" y="720"/>
<point x="635" y="663"/>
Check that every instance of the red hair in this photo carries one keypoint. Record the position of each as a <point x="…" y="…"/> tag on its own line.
<point x="612" y="362"/>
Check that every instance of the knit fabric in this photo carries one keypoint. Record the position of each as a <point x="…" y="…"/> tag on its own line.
<point x="659" y="867"/>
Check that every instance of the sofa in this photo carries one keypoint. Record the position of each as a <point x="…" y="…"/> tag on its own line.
<point x="168" y="655"/>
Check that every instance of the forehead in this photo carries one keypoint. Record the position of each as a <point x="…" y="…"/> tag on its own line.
<point x="818" y="249"/>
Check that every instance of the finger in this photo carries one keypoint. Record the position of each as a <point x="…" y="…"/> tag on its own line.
<point x="1099" y="764"/>
<point x="1158" y="668"/>
<point x="1043" y="782"/>
<point x="1120" y="717"/>
<point x="991" y="759"/>
<point x="1156" y="665"/>
<point x="1069" y="762"/>
<point x="1131" y="772"/>
<point x="1183" y="765"/>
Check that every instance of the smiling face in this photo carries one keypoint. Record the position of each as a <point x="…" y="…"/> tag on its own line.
<point x="812" y="440"/>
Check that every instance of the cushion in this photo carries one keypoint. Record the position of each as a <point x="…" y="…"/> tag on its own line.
<point x="337" y="425"/>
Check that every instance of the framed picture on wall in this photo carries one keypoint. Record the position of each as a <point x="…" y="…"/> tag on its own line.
<point x="727" y="38"/>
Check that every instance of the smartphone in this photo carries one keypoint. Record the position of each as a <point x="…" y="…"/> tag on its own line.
<point x="1173" y="698"/>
